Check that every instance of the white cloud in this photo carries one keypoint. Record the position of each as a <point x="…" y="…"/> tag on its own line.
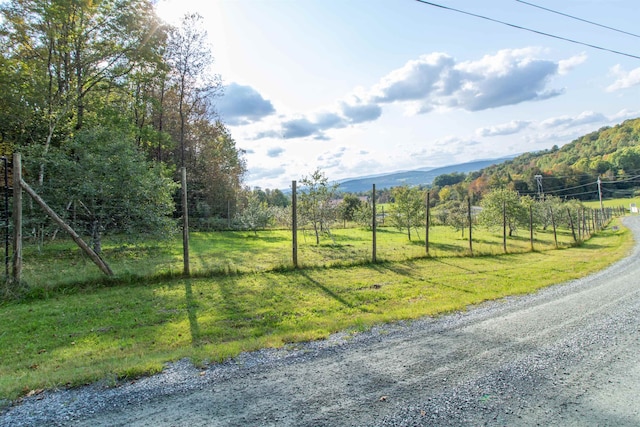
<point x="586" y="117"/>
<point x="566" y="65"/>
<point x="416" y="80"/>
<point x="509" y="128"/>
<point x="624" y="79"/>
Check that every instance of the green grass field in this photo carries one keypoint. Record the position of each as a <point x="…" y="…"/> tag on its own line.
<point x="124" y="329"/>
<point x="61" y="264"/>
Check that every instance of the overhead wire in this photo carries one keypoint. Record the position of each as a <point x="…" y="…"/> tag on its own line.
<point x="578" y="19"/>
<point x="520" y="27"/>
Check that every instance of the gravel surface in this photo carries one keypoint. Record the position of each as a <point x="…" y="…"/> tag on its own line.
<point x="567" y="355"/>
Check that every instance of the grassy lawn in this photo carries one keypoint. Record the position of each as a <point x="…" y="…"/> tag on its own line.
<point x="130" y="328"/>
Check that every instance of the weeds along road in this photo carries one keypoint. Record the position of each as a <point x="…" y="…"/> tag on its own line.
<point x="568" y="355"/>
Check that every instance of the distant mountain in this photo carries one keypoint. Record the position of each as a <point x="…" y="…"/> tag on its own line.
<point x="422" y="176"/>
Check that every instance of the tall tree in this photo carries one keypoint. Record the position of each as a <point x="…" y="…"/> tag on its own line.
<point x="216" y="173"/>
<point x="190" y="59"/>
<point x="69" y="49"/>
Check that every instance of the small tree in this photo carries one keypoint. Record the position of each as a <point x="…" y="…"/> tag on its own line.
<point x="256" y="214"/>
<point x="409" y="208"/>
<point x="364" y="215"/>
<point x="550" y="206"/>
<point x="515" y="213"/>
<point x="455" y="214"/>
<point x="315" y="202"/>
<point x="107" y="186"/>
<point x="348" y="207"/>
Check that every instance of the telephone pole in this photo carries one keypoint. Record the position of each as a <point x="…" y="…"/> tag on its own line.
<point x="600" y="196"/>
<point x="540" y="190"/>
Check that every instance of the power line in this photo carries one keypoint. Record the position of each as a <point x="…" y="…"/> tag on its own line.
<point x="622" y="180"/>
<point x="578" y="19"/>
<point x="528" y="29"/>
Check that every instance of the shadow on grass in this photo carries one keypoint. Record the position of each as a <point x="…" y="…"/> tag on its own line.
<point x="192" y="314"/>
<point x="326" y="290"/>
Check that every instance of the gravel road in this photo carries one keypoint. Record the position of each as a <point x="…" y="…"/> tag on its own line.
<point x="568" y="355"/>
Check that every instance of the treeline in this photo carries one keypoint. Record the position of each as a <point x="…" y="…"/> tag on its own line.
<point x="107" y="103"/>
<point x="571" y="172"/>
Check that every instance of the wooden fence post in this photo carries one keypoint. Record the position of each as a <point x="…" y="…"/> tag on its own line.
<point x="553" y="222"/>
<point x="185" y="223"/>
<point x="573" y="230"/>
<point x="470" y="225"/>
<point x="426" y="238"/>
<point x="294" y="223"/>
<point x="504" y="225"/>
<point x="374" y="221"/>
<point x="531" y="226"/>
<point x="17" y="218"/>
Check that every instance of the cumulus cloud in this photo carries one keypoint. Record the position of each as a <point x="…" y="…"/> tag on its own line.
<point x="241" y="105"/>
<point x="438" y="81"/>
<point x="509" y="77"/>
<point x="329" y="120"/>
<point x="416" y="80"/>
<point x="506" y="78"/>
<point x="298" y="128"/>
<point x="624" y="79"/>
<point x="360" y="112"/>
<point x="510" y="128"/>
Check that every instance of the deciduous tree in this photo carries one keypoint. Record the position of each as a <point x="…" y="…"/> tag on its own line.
<point x="315" y="202"/>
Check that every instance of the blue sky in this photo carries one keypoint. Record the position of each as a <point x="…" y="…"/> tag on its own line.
<point x="357" y="87"/>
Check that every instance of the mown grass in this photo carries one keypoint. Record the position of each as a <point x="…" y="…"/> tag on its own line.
<point x="132" y="328"/>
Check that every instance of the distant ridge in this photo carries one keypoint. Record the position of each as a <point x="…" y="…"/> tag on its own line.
<point x="423" y="176"/>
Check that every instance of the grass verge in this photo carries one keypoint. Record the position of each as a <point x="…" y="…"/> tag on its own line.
<point x="132" y="329"/>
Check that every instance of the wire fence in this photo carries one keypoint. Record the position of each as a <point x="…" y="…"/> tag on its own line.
<point x="58" y="261"/>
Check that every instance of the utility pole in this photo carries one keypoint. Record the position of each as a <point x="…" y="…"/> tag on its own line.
<point x="540" y="190"/>
<point x="600" y="196"/>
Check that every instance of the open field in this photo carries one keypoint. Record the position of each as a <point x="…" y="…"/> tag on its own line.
<point x="612" y="203"/>
<point x="80" y="335"/>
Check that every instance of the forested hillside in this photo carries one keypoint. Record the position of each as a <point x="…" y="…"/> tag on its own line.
<point x="611" y="154"/>
<point x="107" y="103"/>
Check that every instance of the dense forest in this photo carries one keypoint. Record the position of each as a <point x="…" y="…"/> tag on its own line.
<point x="107" y="103"/>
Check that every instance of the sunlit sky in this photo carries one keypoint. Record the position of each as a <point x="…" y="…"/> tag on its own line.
<point x="362" y="87"/>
